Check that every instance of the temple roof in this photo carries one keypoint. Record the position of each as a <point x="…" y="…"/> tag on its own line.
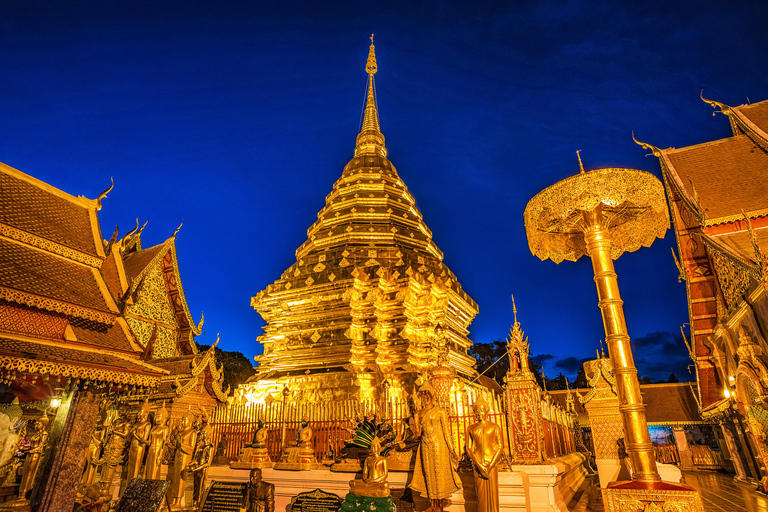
<point x="36" y="272"/>
<point x="40" y="209"/>
<point x="728" y="175"/>
<point x="78" y="362"/>
<point x="665" y="404"/>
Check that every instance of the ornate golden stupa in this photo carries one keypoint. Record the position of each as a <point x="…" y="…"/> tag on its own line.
<point x="369" y="305"/>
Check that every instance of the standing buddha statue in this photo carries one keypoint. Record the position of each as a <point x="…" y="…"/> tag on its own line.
<point x="202" y="458"/>
<point x="93" y="451"/>
<point x="9" y="440"/>
<point x="484" y="445"/>
<point x="113" y="452"/>
<point x="158" y="436"/>
<point x="185" y="446"/>
<point x="139" y="440"/>
<point x="37" y="441"/>
<point x="433" y="476"/>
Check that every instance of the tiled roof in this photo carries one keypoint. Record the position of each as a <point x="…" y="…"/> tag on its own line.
<point x="664" y="403"/>
<point x="756" y="113"/>
<point x="111" y="276"/>
<point x="39" y="273"/>
<point x="59" y="353"/>
<point x="176" y="365"/>
<point x="136" y="262"/>
<point x="37" y="210"/>
<point x="107" y="336"/>
<point x="669" y="403"/>
<point x="729" y="175"/>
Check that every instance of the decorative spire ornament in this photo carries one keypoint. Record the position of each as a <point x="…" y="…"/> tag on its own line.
<point x="370" y="141"/>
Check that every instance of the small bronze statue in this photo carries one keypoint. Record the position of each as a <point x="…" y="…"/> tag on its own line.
<point x="260" y="495"/>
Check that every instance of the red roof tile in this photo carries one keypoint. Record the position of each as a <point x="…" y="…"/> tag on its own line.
<point x="107" y="336"/>
<point x="33" y="271"/>
<point x="136" y="262"/>
<point x="756" y="113"/>
<point x="729" y="175"/>
<point x="36" y="210"/>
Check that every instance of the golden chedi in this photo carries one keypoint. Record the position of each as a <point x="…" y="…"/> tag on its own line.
<point x="360" y="305"/>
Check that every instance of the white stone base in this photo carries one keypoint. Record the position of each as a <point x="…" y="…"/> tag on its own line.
<point x="545" y="487"/>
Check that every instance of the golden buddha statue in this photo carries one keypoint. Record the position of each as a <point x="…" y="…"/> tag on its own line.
<point x="37" y="441"/>
<point x="185" y="446"/>
<point x="113" y="452"/>
<point x="202" y="458"/>
<point x="484" y="447"/>
<point x="254" y="455"/>
<point x="158" y="436"/>
<point x="299" y="454"/>
<point x="433" y="475"/>
<point x="9" y="440"/>
<point x="374" y="483"/>
<point x="139" y="440"/>
<point x="94" y="448"/>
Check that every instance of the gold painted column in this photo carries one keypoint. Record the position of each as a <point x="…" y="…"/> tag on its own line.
<point x="602" y="214"/>
<point x="637" y="440"/>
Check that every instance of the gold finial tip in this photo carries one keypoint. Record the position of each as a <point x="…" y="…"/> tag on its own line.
<point x="581" y="166"/>
<point x="370" y="65"/>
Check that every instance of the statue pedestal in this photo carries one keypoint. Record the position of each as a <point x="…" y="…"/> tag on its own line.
<point x="632" y="495"/>
<point x="297" y="458"/>
<point x="16" y="505"/>
<point x="252" y="458"/>
<point x="354" y="503"/>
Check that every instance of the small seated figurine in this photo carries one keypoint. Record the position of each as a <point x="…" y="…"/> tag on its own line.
<point x="260" y="496"/>
<point x="254" y="455"/>
<point x="374" y="483"/>
<point x="301" y="454"/>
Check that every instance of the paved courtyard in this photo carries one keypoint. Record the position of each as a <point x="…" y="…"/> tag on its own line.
<point x="718" y="492"/>
<point x="721" y="494"/>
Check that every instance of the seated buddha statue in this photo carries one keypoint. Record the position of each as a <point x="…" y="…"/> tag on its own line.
<point x="374" y="483"/>
<point x="299" y="455"/>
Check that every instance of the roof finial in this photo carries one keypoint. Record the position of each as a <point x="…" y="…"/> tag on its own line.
<point x="370" y="66"/>
<point x="514" y="308"/>
<point x="581" y="166"/>
<point x="370" y="141"/>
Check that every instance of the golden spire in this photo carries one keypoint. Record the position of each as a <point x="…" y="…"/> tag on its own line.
<point x="370" y="141"/>
<point x="581" y="166"/>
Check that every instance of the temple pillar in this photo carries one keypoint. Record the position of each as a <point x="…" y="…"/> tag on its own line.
<point x="75" y="421"/>
<point x="686" y="458"/>
<point x="602" y="406"/>
<point x="733" y="450"/>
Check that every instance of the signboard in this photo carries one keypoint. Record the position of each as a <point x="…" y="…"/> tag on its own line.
<point x="143" y="495"/>
<point x="315" y="501"/>
<point x="224" y="497"/>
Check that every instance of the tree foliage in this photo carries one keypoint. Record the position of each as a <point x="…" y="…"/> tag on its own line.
<point x="237" y="368"/>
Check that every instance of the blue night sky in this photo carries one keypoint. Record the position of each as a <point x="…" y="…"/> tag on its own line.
<point x="237" y="117"/>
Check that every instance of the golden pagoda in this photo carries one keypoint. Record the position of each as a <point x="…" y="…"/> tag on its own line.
<point x="369" y="305"/>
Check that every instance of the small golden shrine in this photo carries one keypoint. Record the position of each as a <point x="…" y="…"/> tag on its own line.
<point x="369" y="303"/>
